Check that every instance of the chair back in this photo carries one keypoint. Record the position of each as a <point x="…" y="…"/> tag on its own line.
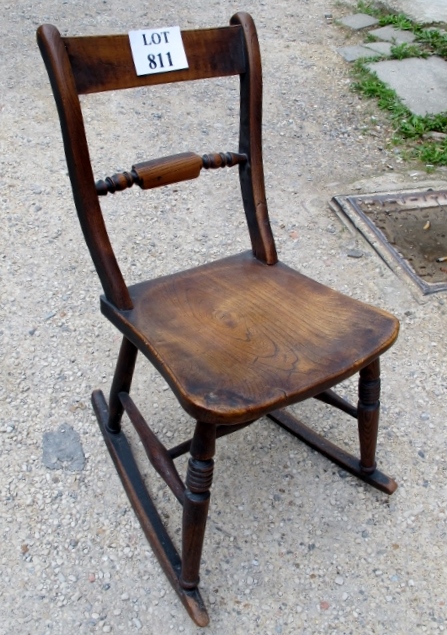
<point x="81" y="65"/>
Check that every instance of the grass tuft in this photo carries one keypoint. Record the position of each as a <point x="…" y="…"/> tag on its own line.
<point x="408" y="128"/>
<point x="401" y="51"/>
<point x="433" y="153"/>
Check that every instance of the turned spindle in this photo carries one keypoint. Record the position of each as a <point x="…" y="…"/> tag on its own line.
<point x="167" y="170"/>
<point x="116" y="183"/>
<point x="222" y="160"/>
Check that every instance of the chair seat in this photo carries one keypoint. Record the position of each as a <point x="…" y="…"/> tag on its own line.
<point x="236" y="338"/>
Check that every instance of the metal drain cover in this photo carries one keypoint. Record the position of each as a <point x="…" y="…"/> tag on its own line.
<point x="407" y="229"/>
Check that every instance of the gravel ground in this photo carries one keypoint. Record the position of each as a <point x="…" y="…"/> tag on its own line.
<point x="293" y="544"/>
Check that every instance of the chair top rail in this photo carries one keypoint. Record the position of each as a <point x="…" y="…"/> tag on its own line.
<point x="102" y="63"/>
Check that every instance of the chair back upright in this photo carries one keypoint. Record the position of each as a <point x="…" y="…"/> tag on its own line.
<point x="82" y="65"/>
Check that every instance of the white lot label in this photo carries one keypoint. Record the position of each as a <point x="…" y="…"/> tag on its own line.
<point x="157" y="50"/>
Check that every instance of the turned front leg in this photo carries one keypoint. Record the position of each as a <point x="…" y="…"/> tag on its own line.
<point x="196" y="502"/>
<point x="368" y="415"/>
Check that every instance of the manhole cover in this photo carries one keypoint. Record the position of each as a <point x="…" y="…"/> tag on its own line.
<point x="408" y="229"/>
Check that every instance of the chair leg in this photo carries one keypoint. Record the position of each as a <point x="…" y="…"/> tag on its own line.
<point x="368" y="425"/>
<point x="146" y="512"/>
<point x="122" y="381"/>
<point x="368" y="415"/>
<point x="196" y="502"/>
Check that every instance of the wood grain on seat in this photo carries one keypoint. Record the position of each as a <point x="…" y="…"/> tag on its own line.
<point x="237" y="338"/>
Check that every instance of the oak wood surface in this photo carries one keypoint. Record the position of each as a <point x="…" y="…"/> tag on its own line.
<point x="80" y="170"/>
<point x="250" y="143"/>
<point x="237" y="338"/>
<point x="102" y="63"/>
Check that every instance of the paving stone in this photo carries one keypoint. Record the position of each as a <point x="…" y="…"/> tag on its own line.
<point x="358" y="21"/>
<point x="382" y="48"/>
<point x="352" y="53"/>
<point x="420" y="83"/>
<point x="421" y="10"/>
<point x="390" y="34"/>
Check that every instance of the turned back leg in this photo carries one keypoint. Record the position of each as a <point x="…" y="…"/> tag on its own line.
<point x="368" y="414"/>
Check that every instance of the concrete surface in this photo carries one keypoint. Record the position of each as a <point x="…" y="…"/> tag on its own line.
<point x="358" y="21"/>
<point x="382" y="48"/>
<point x="421" y="10"/>
<point x="391" y="34"/>
<point x="420" y="83"/>
<point x="353" y="53"/>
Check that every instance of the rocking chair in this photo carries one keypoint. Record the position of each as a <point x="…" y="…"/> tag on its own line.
<point x="236" y="339"/>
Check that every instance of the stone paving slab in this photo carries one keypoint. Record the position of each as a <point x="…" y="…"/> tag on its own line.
<point x="382" y="48"/>
<point x="421" y="10"/>
<point x="391" y="34"/>
<point x="358" y="21"/>
<point x="421" y="84"/>
<point x="353" y="53"/>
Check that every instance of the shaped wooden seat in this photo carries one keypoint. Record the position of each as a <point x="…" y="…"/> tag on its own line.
<point x="237" y="338"/>
<point x="234" y="343"/>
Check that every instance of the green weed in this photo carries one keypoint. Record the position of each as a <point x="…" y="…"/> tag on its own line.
<point x="403" y="50"/>
<point x="432" y="153"/>
<point x="409" y="129"/>
<point x="399" y="21"/>
<point x="435" y="40"/>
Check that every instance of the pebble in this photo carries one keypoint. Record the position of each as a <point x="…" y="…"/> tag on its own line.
<point x="355" y="253"/>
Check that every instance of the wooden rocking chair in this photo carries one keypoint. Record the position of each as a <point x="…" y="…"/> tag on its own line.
<point x="235" y="339"/>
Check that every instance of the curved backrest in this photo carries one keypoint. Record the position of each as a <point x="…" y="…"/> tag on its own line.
<point x="79" y="65"/>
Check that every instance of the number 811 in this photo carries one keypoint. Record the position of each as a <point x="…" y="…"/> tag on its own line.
<point x="156" y="61"/>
